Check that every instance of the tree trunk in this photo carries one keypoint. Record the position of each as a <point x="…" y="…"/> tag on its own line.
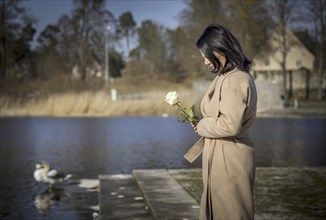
<point x="3" y="61"/>
<point x="290" y="85"/>
<point x="322" y="67"/>
<point x="284" y="81"/>
<point x="128" y="51"/>
<point x="322" y="21"/>
<point x="321" y="90"/>
<point x="84" y="52"/>
<point x="307" y="83"/>
<point x="283" y="61"/>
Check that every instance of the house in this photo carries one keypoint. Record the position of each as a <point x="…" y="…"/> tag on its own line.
<point x="298" y="55"/>
<point x="299" y="63"/>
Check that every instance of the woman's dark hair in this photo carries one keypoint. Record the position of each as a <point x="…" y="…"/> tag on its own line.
<point x="217" y="38"/>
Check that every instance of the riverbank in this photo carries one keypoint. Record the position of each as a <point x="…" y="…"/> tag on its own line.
<point x="305" y="109"/>
<point x="101" y="104"/>
<point x="91" y="104"/>
<point x="132" y="96"/>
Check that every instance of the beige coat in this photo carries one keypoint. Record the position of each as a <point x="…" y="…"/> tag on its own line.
<point x="229" y="110"/>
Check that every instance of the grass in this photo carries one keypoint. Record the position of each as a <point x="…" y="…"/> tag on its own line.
<point x="280" y="193"/>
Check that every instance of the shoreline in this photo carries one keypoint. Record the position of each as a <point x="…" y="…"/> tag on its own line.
<point x="260" y="116"/>
<point x="265" y="114"/>
<point x="86" y="105"/>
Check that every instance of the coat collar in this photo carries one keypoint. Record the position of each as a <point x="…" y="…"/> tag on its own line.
<point x="220" y="78"/>
<point x="215" y="86"/>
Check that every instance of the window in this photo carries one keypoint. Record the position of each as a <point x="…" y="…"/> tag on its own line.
<point x="299" y="63"/>
<point x="280" y="50"/>
<point x="266" y="62"/>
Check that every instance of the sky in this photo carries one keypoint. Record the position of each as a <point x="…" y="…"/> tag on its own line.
<point x="164" y="12"/>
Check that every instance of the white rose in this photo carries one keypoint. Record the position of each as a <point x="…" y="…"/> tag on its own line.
<point x="172" y="98"/>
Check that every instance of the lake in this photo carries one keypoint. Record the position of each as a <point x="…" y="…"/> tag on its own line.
<point x="87" y="147"/>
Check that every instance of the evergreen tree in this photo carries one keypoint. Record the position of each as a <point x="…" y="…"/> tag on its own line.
<point x="16" y="34"/>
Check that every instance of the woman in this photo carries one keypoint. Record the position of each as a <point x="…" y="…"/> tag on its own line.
<point x="229" y="110"/>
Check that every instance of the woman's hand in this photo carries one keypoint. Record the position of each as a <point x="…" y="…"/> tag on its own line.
<point x="194" y="126"/>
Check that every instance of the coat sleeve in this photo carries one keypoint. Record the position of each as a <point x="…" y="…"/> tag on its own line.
<point x="229" y="121"/>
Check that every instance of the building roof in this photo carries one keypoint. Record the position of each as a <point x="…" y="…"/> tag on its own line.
<point x="298" y="56"/>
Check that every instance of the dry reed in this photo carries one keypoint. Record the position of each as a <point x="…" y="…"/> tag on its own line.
<point x="90" y="104"/>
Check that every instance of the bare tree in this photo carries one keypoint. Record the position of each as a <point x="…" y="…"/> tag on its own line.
<point x="317" y="14"/>
<point x="176" y="53"/>
<point x="3" y="54"/>
<point x="50" y="62"/>
<point x="196" y="16"/>
<point x="89" y="16"/>
<point x="152" y="47"/>
<point x="67" y="46"/>
<point x="284" y="14"/>
<point x="251" y="22"/>
<point x="127" y="29"/>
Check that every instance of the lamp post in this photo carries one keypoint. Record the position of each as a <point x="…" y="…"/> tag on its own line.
<point x="107" y="66"/>
<point x="107" y="73"/>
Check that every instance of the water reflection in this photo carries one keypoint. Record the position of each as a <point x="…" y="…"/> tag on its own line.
<point x="45" y="200"/>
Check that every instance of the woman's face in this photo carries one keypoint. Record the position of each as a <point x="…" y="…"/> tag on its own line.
<point x="220" y="57"/>
<point x="207" y="62"/>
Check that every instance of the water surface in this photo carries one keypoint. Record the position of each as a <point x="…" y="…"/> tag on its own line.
<point x="87" y="147"/>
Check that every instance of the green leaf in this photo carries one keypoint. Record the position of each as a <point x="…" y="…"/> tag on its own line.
<point x="189" y="112"/>
<point x="181" y="118"/>
<point x="193" y="108"/>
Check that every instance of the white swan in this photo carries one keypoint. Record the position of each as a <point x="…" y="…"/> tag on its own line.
<point x="51" y="177"/>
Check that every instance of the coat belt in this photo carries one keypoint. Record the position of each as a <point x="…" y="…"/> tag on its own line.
<point x="196" y="150"/>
